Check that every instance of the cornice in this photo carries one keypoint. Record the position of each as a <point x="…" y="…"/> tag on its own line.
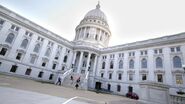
<point x="88" y="47"/>
<point x="177" y="38"/>
<point x="12" y="16"/>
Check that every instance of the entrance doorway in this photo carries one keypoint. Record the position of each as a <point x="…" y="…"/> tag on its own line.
<point x="98" y="86"/>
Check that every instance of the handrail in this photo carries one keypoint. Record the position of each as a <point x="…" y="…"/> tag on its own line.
<point x="87" y="75"/>
<point x="66" y="74"/>
<point x="177" y="99"/>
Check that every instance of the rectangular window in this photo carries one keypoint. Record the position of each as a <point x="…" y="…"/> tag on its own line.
<point x="3" y="51"/>
<point x="15" y="28"/>
<point x="33" y="59"/>
<point x="40" y="74"/>
<point x="13" y="68"/>
<point x="133" y="53"/>
<point x="28" y="71"/>
<point x="28" y="34"/>
<point x="130" y="54"/>
<point x="102" y="75"/>
<point x="172" y="50"/>
<point x="155" y="51"/>
<point x="54" y="66"/>
<point x="1" y="22"/>
<point x="118" y="88"/>
<point x="144" y="77"/>
<point x="40" y="39"/>
<point x="56" y="57"/>
<point x="51" y="76"/>
<point x="19" y="55"/>
<point x="110" y="75"/>
<point x="159" y="77"/>
<point x="178" y="49"/>
<point x="141" y="52"/>
<point x="130" y="77"/>
<point x="44" y="64"/>
<point x="179" y="79"/>
<point x="119" y="76"/>
<point x="160" y="51"/>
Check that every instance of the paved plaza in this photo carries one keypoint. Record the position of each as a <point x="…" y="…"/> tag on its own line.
<point x="15" y="90"/>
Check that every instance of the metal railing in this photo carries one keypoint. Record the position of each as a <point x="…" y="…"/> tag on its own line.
<point x="177" y="99"/>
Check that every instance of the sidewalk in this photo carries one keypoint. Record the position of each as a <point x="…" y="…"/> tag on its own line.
<point x="14" y="90"/>
<point x="15" y="96"/>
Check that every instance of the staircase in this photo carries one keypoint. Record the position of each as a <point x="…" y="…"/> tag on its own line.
<point x="67" y="82"/>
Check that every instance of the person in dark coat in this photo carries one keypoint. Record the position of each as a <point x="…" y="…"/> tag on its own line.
<point x="58" y="81"/>
<point x="77" y="86"/>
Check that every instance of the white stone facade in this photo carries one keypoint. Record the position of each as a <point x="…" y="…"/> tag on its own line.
<point x="31" y="51"/>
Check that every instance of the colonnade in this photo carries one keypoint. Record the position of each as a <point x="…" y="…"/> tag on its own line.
<point x="90" y="57"/>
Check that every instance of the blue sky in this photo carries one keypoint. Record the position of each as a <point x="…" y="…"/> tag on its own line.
<point x="129" y="20"/>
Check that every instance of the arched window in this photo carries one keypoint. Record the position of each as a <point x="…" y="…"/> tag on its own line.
<point x="177" y="62"/>
<point x="10" y="38"/>
<point x="65" y="59"/>
<point x="103" y="65"/>
<point x="48" y="51"/>
<point x="143" y="63"/>
<point x="24" y="43"/>
<point x="121" y="64"/>
<point x="37" y="48"/>
<point x="159" y="62"/>
<point x="111" y="65"/>
<point x="131" y="64"/>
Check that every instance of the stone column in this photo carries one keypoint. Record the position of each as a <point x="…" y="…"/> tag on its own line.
<point x="77" y="34"/>
<point x="88" y="60"/>
<point x="80" y="61"/>
<point x="94" y="66"/>
<point x="100" y="34"/>
<point x="80" y="33"/>
<point x="74" y="58"/>
<point x="84" y="35"/>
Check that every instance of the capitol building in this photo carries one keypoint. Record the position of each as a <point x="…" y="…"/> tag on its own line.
<point x="30" y="51"/>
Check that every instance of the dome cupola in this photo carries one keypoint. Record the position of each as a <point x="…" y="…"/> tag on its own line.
<point x="96" y="13"/>
<point x="93" y="29"/>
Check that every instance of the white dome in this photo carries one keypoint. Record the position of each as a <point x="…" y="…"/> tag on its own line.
<point x="96" y="13"/>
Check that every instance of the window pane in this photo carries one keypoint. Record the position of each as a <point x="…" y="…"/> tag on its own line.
<point x="131" y="64"/>
<point x="159" y="62"/>
<point x="177" y="62"/>
<point x="37" y="48"/>
<point x="144" y="63"/>
<point x="10" y="38"/>
<point x="24" y="43"/>
<point x="179" y="79"/>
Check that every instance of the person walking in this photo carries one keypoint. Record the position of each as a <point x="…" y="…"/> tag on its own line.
<point x="58" y="81"/>
<point x="72" y="79"/>
<point x="76" y="85"/>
